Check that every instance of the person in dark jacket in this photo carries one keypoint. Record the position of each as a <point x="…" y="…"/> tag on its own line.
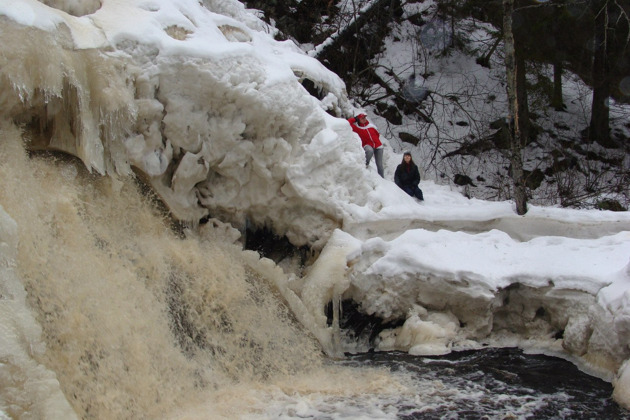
<point x="370" y="140"/>
<point x="407" y="177"/>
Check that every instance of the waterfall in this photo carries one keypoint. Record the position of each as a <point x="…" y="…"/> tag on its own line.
<point x="137" y="321"/>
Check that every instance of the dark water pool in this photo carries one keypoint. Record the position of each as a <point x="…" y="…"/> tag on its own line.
<point x="497" y="384"/>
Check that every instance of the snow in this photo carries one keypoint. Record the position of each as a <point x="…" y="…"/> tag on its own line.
<point x="222" y="126"/>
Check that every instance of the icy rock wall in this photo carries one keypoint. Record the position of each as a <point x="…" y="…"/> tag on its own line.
<point x="224" y="131"/>
<point x="446" y="310"/>
<point x="212" y="136"/>
<point x="72" y="100"/>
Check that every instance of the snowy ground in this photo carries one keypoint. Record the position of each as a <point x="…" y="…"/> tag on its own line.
<point x="466" y="98"/>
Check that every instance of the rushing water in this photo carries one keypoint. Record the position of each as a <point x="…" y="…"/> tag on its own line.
<point x="499" y="384"/>
<point x="480" y="384"/>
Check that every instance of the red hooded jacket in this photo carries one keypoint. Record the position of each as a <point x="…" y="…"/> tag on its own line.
<point x="368" y="133"/>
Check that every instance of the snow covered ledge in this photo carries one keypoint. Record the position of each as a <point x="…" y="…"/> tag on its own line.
<point x="454" y="290"/>
<point x="210" y="112"/>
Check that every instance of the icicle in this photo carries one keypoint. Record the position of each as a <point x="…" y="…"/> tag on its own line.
<point x="336" y="329"/>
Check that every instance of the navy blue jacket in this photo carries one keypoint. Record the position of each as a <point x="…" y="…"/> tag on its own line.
<point x="407" y="175"/>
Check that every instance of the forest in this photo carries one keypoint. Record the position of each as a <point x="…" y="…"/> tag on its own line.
<point x="538" y="52"/>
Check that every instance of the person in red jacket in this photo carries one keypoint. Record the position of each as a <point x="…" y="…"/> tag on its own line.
<point x="370" y="140"/>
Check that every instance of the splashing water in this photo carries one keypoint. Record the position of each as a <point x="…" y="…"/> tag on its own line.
<point x="138" y="322"/>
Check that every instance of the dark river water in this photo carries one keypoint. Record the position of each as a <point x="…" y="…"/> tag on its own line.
<point x="497" y="384"/>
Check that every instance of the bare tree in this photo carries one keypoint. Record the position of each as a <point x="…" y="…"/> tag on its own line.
<point x="599" y="126"/>
<point x="556" y="98"/>
<point x="515" y="117"/>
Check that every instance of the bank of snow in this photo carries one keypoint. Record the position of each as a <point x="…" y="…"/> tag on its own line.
<point x="553" y="281"/>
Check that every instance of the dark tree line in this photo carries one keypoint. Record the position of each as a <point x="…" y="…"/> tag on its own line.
<point x="590" y="35"/>
<point x="609" y="24"/>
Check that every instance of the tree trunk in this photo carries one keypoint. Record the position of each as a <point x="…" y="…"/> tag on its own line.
<point x="484" y="60"/>
<point x="557" y="101"/>
<point x="599" y="130"/>
<point x="516" y="149"/>
<point x="556" y="98"/>
<point x="452" y="12"/>
<point x="521" y="100"/>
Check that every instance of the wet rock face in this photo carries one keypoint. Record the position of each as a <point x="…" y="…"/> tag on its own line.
<point x="75" y="7"/>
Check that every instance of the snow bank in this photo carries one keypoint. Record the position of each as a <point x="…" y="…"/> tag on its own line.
<point x="457" y="290"/>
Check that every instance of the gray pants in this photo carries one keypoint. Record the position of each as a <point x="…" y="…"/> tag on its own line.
<point x="378" y="158"/>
